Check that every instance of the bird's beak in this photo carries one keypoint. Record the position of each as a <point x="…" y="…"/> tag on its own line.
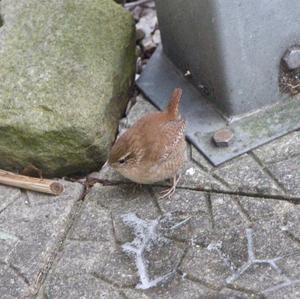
<point x="106" y="165"/>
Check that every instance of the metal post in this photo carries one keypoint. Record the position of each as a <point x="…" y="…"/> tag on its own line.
<point x="237" y="62"/>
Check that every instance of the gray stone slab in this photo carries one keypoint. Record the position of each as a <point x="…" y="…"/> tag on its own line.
<point x="270" y="244"/>
<point x="226" y="212"/>
<point x="205" y="266"/>
<point x="200" y="159"/>
<point x="94" y="245"/>
<point x="280" y="149"/>
<point x="244" y="174"/>
<point x="234" y="294"/>
<point x="31" y="227"/>
<point x="12" y="284"/>
<point x="93" y="224"/>
<point x="222" y="242"/>
<point x="102" y="260"/>
<point x="79" y="286"/>
<point x="267" y="209"/>
<point x="179" y="288"/>
<point x="282" y="158"/>
<point x="120" y="200"/>
<point x="192" y="176"/>
<point x="246" y="226"/>
<point x="190" y="205"/>
<point x="286" y="290"/>
<point x="292" y="222"/>
<point x="7" y="196"/>
<point x="287" y="173"/>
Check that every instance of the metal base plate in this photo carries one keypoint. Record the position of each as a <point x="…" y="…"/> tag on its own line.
<point x="161" y="77"/>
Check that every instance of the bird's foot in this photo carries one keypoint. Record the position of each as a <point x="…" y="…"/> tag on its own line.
<point x="170" y="191"/>
<point x="136" y="188"/>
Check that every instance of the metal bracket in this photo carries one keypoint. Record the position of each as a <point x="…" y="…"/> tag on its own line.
<point x="203" y="119"/>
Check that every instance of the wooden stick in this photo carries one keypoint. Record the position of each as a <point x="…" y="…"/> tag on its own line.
<point x="29" y="183"/>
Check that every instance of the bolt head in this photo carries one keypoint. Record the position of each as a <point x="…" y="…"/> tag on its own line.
<point x="223" y="137"/>
<point x="291" y="58"/>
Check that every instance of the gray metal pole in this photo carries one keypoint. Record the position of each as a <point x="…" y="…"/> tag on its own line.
<point x="239" y="56"/>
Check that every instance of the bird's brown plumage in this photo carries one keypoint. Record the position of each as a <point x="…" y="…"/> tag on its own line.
<point x="154" y="148"/>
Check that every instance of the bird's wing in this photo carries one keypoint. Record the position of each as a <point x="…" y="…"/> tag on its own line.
<point x="163" y="139"/>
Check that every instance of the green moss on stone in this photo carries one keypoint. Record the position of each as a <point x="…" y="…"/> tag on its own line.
<point x="66" y="68"/>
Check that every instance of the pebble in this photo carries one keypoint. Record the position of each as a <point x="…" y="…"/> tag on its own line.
<point x="156" y="37"/>
<point x="148" y="45"/>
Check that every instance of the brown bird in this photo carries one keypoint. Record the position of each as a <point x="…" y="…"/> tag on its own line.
<point x="154" y="148"/>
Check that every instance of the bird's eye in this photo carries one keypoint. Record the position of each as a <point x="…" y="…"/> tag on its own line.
<point x="122" y="161"/>
<point x="124" y="158"/>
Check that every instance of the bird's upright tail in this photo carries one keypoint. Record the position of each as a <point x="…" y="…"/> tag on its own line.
<point x="173" y="106"/>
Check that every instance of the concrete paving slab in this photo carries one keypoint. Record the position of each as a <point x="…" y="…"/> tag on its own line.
<point x="31" y="228"/>
<point x="228" y="232"/>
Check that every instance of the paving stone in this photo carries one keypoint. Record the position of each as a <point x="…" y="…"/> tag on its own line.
<point x="121" y="200"/>
<point x="292" y="222"/>
<point x="285" y="290"/>
<point x="156" y="257"/>
<point x="79" y="286"/>
<point x="163" y="260"/>
<point x="12" y="284"/>
<point x="219" y="263"/>
<point x="90" y="250"/>
<point x="269" y="245"/>
<point x="244" y="174"/>
<point x="288" y="174"/>
<point x="219" y="257"/>
<point x="226" y="212"/>
<point x="271" y="241"/>
<point x="187" y="202"/>
<point x="30" y="229"/>
<point x="184" y="288"/>
<point x="229" y="241"/>
<point x="93" y="224"/>
<point x="192" y="176"/>
<point x="290" y="287"/>
<point x="203" y="265"/>
<point x="260" y="208"/>
<point x="102" y="260"/>
<point x="7" y="196"/>
<point x="179" y="288"/>
<point x="190" y="205"/>
<point x="200" y="159"/>
<point x="282" y="157"/>
<point x="291" y="264"/>
<point x="233" y="294"/>
<point x="280" y="149"/>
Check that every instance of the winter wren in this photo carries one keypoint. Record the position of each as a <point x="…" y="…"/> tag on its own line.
<point x="154" y="148"/>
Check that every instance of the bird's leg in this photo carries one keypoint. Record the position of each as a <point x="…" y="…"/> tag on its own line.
<point x="170" y="191"/>
<point x="136" y="188"/>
